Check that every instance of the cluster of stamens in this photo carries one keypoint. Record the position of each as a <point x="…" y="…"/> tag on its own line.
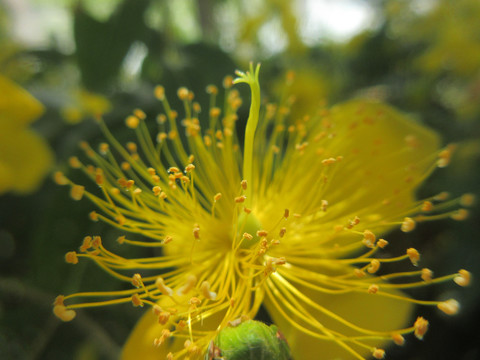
<point x="226" y="246"/>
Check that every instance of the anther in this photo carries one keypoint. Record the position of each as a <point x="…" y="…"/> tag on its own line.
<point x="359" y="273"/>
<point x="189" y="168"/>
<point x="262" y="233"/>
<point x="137" y="280"/>
<point x="182" y="93"/>
<point x="205" y="290"/>
<point x="286" y="214"/>
<point x="86" y="244"/>
<point x="240" y="199"/>
<point x="373" y="289"/>
<point x="467" y="200"/>
<point x="247" y="236"/>
<point x="427" y="275"/>
<point x="463" y="278"/>
<point x="378" y="353"/>
<point x="374" y="266"/>
<point x="247" y="210"/>
<point x="408" y="224"/>
<point x="59" y="178"/>
<point x="212" y="90"/>
<point x="442" y="196"/>
<point x="136" y="301"/>
<point x="77" y="192"/>
<point x="196" y="232"/>
<point x="414" y="256"/>
<point x="96" y="242"/>
<point x="282" y="232"/>
<point x="369" y="239"/>
<point x="421" y="327"/>
<point x="444" y="157"/>
<point x="163" y="317"/>
<point x="164" y="289"/>
<point x="159" y="92"/>
<point x="243" y="183"/>
<point x="74" y="162"/>
<point x="324" y="205"/>
<point x="189" y="285"/>
<point x="139" y="113"/>
<point x="71" y="257"/>
<point x="167" y="239"/>
<point x="382" y="243"/>
<point x="132" y="121"/>
<point x="460" y="215"/>
<point x="398" y="339"/>
<point x="427" y="206"/>
<point x="449" y="307"/>
<point x="63" y="313"/>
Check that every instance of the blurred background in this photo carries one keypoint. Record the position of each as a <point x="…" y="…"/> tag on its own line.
<point x="80" y="58"/>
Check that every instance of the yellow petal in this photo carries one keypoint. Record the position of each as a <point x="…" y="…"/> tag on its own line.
<point x="17" y="106"/>
<point x="25" y="157"/>
<point x="369" y="311"/>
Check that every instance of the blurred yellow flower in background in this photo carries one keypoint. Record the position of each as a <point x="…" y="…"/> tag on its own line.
<point x="84" y="104"/>
<point x="293" y="221"/>
<point x="25" y="157"/>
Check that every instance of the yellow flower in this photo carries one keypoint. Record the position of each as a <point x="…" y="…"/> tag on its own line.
<point x="292" y="221"/>
<point x="85" y="104"/>
<point x="25" y="158"/>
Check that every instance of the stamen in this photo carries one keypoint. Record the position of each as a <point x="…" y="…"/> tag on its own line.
<point x="463" y="278"/>
<point x="449" y="307"/>
<point x="420" y="327"/>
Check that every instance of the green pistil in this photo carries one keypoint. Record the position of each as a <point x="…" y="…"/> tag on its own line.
<point x="250" y="78"/>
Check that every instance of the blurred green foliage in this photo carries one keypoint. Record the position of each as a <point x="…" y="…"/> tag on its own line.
<point x="425" y="61"/>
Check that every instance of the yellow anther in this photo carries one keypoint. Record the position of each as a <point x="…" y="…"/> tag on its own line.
<point x="169" y="356"/>
<point x="247" y="210"/>
<point x="63" y="313"/>
<point x="373" y="289"/>
<point x="444" y="157"/>
<point x="161" y="136"/>
<point x="329" y="161"/>
<point x="140" y="114"/>
<point x="359" y="273"/>
<point x="125" y="166"/>
<point x="164" y="289"/>
<point x="463" y="278"/>
<point x="378" y="353"/>
<point x="442" y="196"/>
<point x="159" y="92"/>
<point x="182" y="93"/>
<point x="351" y="223"/>
<point x="369" y="239"/>
<point x="205" y="290"/>
<point x="286" y="213"/>
<point x="382" y="243"/>
<point x="460" y="215"/>
<point x="398" y="339"/>
<point x="196" y="232"/>
<point x="449" y="307"/>
<point x="414" y="255"/>
<point x="421" y="327"/>
<point x="167" y="239"/>
<point x="374" y="266"/>
<point x="467" y="200"/>
<point x="297" y="216"/>
<point x="282" y="232"/>
<point x="194" y="301"/>
<point x="324" y="205"/>
<point x="215" y="112"/>
<point x="59" y="178"/>
<point x="243" y="183"/>
<point x="227" y="82"/>
<point x="163" y="317"/>
<point x="217" y="197"/>
<point x="137" y="280"/>
<point x="86" y="244"/>
<point x="71" y="257"/>
<point x="74" y="162"/>
<point x="262" y="233"/>
<point x="247" y="236"/>
<point x="99" y="178"/>
<point x="136" y="300"/>
<point x="189" y="168"/>
<point x="77" y="192"/>
<point x="157" y="190"/>
<point x="173" y="169"/>
<point x="132" y="121"/>
<point x="427" y="275"/>
<point x="408" y="224"/>
<point x="96" y="242"/>
<point x="427" y="206"/>
<point x="240" y="199"/>
<point x="211" y="89"/>
<point x="191" y="281"/>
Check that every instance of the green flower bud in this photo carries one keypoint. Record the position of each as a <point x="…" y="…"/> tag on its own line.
<point x="250" y="340"/>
